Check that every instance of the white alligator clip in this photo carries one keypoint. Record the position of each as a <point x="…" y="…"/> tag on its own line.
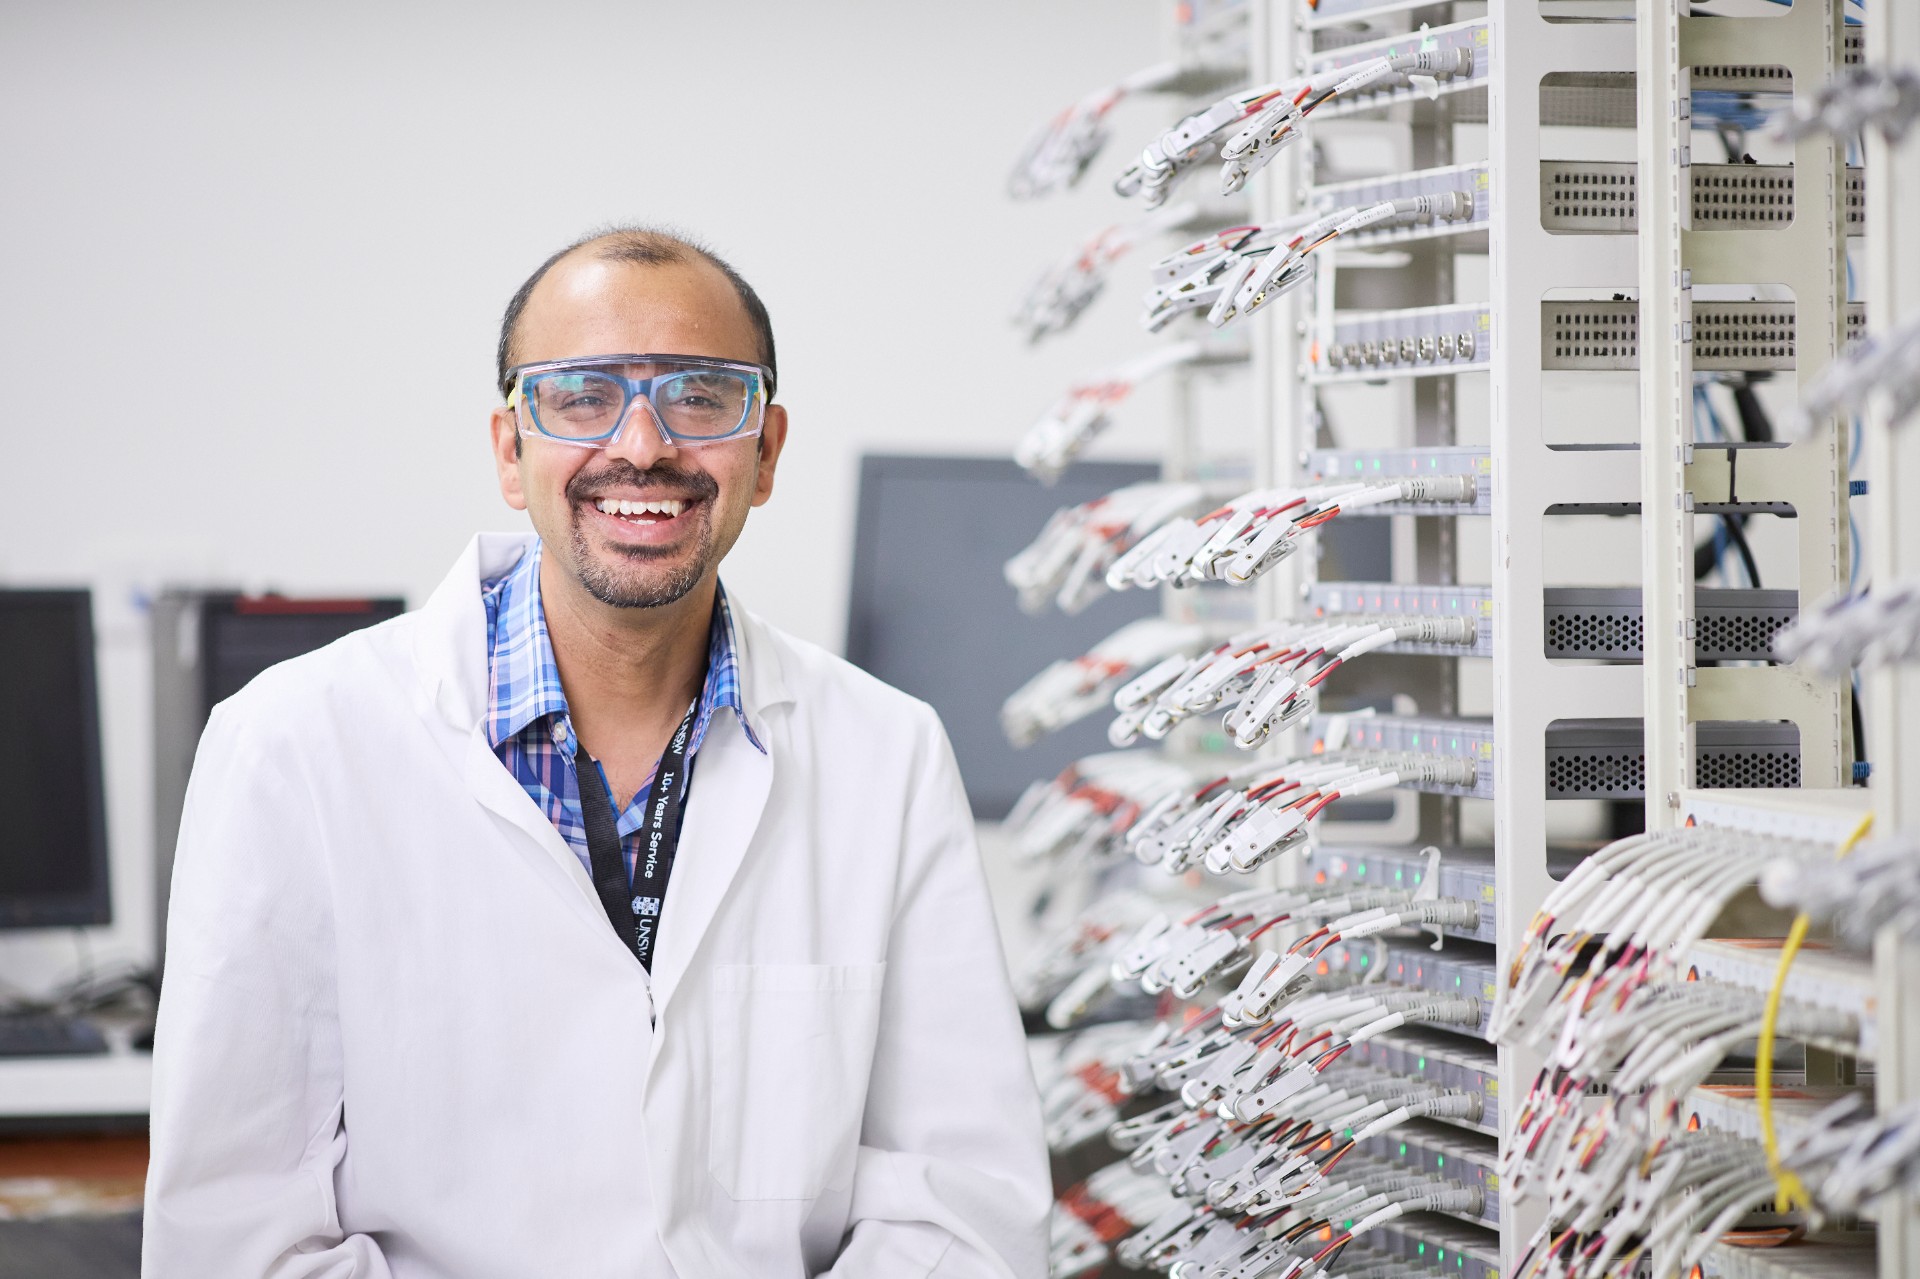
<point x="1286" y="977"/>
<point x="1264" y="835"/>
<point x="1072" y="1003"/>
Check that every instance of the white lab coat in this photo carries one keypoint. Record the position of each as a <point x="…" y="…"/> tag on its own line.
<point x="398" y="1036"/>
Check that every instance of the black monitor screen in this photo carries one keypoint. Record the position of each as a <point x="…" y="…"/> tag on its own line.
<point x="932" y="615"/>
<point x="244" y="636"/>
<point x="53" y="845"/>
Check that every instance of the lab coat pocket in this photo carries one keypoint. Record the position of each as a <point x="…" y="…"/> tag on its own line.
<point x="795" y="1042"/>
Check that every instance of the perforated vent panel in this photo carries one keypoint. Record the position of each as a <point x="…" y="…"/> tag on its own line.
<point x="1595" y="774"/>
<point x="1727" y="336"/>
<point x="1590" y="335"/>
<point x="1746" y="770"/>
<point x="1589" y="197"/>
<point x="1595" y="197"/>
<point x="1595" y="633"/>
<point x="1603" y="624"/>
<point x="1743" y="335"/>
<point x="1742" y="195"/>
<point x="1604" y="758"/>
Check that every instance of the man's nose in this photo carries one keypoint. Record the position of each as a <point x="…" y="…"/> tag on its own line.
<point x="640" y="440"/>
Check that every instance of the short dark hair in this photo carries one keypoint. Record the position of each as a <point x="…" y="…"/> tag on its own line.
<point x="643" y="246"/>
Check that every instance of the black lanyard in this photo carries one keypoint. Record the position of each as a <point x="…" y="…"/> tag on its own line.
<point x="634" y="908"/>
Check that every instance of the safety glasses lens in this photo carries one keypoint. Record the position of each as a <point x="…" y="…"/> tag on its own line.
<point x="702" y="404"/>
<point x="576" y="406"/>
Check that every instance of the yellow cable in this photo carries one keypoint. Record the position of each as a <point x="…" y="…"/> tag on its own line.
<point x="1790" y="1192"/>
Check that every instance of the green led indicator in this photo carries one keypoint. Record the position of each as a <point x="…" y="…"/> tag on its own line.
<point x="1376" y="463"/>
<point x="1422" y="1250"/>
<point x="1454" y="742"/>
<point x="1423" y="1063"/>
<point x="1433" y="463"/>
<point x="1358" y="465"/>
<point x="1403" y="1148"/>
<point x="1364" y="959"/>
<point x="1456" y="981"/>
<point x="1440" y="1161"/>
<point x="1399" y="874"/>
<point x="1363" y="870"/>
<point x="1459" y="1261"/>
<point x="1349" y="1134"/>
<point x="1416" y="876"/>
<point x="1440" y="1254"/>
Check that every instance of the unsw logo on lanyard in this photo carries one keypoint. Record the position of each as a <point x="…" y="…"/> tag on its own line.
<point x="634" y="908"/>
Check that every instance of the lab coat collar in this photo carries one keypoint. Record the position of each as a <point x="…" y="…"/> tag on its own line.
<point x="450" y="646"/>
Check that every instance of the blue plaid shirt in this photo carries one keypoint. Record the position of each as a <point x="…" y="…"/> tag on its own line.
<point x="527" y="721"/>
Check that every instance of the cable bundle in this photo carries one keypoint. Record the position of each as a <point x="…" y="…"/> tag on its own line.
<point x="1090" y="1217"/>
<point x="1870" y="629"/>
<point x="1082" y="413"/>
<point x="1067" y="562"/>
<point x="1248" y="128"/>
<point x="1880" y="373"/>
<point x="1877" y="886"/>
<point x="1237" y="822"/>
<point x="1068" y="691"/>
<point x="1600" y="990"/>
<point x="1058" y="154"/>
<point x="1058" y="296"/>
<point x="1264" y="679"/>
<point x="1084" y="812"/>
<point x="1257" y="530"/>
<point x="1237" y="271"/>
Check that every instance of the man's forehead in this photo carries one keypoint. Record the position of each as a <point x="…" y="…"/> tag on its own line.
<point x="587" y="304"/>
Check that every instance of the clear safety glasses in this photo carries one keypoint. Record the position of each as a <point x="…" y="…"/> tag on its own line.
<point x="693" y="400"/>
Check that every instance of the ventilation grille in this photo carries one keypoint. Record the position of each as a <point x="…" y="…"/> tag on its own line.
<point x="1605" y="759"/>
<point x="1738" y="635"/>
<point x="1746" y="770"/>
<point x="1603" y="624"/>
<point x="1727" y="336"/>
<point x="1590" y="335"/>
<point x="1743" y="335"/>
<point x="1586" y="633"/>
<point x="1596" y="774"/>
<point x="1589" y="197"/>
<point x="1743" y="78"/>
<point x="1601" y="197"/>
<point x="1742" y="195"/>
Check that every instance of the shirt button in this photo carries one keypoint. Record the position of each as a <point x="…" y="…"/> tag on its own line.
<point x="559" y="735"/>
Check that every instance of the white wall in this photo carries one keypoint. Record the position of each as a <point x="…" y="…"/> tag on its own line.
<point x="253" y="259"/>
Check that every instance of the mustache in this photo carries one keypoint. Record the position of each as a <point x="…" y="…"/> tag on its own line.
<point x="692" y="485"/>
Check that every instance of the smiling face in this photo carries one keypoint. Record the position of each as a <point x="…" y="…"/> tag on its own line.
<point x="639" y="523"/>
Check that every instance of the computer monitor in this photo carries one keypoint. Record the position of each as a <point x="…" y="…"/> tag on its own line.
<point x="932" y="615"/>
<point x="53" y="835"/>
<point x="207" y="645"/>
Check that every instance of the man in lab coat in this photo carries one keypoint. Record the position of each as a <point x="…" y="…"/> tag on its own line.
<point x="430" y="1006"/>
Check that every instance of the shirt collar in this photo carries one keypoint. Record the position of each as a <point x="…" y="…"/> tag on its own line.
<point x="524" y="680"/>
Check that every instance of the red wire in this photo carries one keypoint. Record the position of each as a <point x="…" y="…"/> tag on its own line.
<point x="1324" y="671"/>
<point x="1336" y="1245"/>
<point x="1277" y="919"/>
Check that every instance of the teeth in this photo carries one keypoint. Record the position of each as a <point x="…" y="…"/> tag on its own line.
<point x="615" y="506"/>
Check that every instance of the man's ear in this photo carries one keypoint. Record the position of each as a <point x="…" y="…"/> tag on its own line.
<point x="773" y="438"/>
<point x="506" y="456"/>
